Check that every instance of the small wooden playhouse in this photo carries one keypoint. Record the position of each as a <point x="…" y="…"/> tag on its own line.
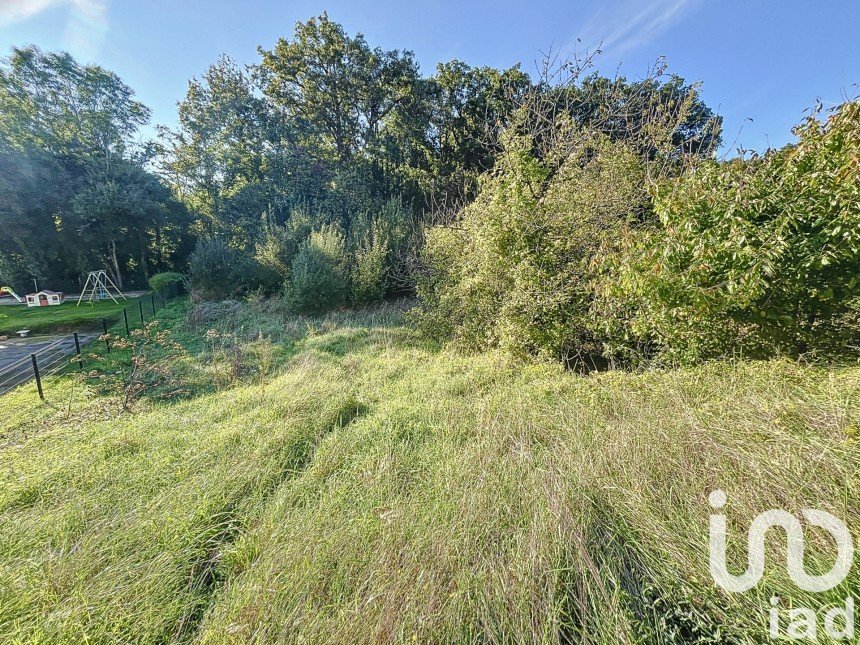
<point x="45" y="298"/>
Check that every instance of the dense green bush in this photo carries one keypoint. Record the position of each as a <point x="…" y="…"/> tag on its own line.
<point x="214" y="266"/>
<point x="320" y="273"/>
<point x="367" y="284"/>
<point x="219" y="272"/>
<point x="522" y="267"/>
<point x="311" y="254"/>
<point x="161" y="282"/>
<point x="583" y="254"/>
<point x="281" y="243"/>
<point x="376" y="244"/>
<point x="756" y="257"/>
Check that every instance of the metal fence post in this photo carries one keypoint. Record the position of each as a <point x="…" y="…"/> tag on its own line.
<point x="107" y="342"/>
<point x="38" y="378"/>
<point x="125" y="317"/>
<point x="140" y="304"/>
<point x="152" y="301"/>
<point x="78" y="351"/>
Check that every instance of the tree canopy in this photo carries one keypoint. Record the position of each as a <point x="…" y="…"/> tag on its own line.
<point x="561" y="214"/>
<point x="76" y="192"/>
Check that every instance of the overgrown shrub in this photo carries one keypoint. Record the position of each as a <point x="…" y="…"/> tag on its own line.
<point x="376" y="244"/>
<point x="272" y="251"/>
<point x="363" y="261"/>
<point x="368" y="277"/>
<point x="219" y="272"/>
<point x="320" y="273"/>
<point x="756" y="257"/>
<point x="214" y="265"/>
<point x="523" y="265"/>
<point x="281" y="243"/>
<point x="584" y="252"/>
<point x="161" y="282"/>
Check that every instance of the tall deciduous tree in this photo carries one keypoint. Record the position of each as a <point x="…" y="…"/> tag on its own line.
<point x="336" y="86"/>
<point x="219" y="147"/>
<point x="75" y="192"/>
<point x="470" y="108"/>
<point x="49" y="101"/>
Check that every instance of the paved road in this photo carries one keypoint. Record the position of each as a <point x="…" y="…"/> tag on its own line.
<point x="15" y="349"/>
<point x="15" y="371"/>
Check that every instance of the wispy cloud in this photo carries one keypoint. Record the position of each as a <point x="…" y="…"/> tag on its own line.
<point x="86" y="25"/>
<point x="620" y="27"/>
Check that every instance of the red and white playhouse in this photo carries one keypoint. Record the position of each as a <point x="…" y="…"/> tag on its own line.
<point x="45" y="298"/>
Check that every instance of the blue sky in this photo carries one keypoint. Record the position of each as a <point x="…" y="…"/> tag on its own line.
<point x="761" y="62"/>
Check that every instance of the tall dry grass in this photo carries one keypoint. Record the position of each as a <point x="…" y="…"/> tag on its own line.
<point x="383" y="489"/>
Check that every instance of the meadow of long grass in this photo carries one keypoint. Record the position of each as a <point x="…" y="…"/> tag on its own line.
<point x="372" y="486"/>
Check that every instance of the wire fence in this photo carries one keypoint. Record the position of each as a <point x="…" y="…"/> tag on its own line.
<point x="40" y="366"/>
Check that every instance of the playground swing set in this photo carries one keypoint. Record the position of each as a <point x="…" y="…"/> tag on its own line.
<point x="98" y="286"/>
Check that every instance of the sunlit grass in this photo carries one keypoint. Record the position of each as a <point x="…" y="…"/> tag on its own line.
<point x="66" y="316"/>
<point x="377" y="487"/>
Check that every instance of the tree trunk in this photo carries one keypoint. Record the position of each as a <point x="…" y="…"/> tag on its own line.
<point x="117" y="276"/>
<point x="143" y="261"/>
<point x="159" y="247"/>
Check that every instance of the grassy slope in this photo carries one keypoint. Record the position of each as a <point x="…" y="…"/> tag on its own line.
<point x="380" y="487"/>
<point x="61" y="317"/>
